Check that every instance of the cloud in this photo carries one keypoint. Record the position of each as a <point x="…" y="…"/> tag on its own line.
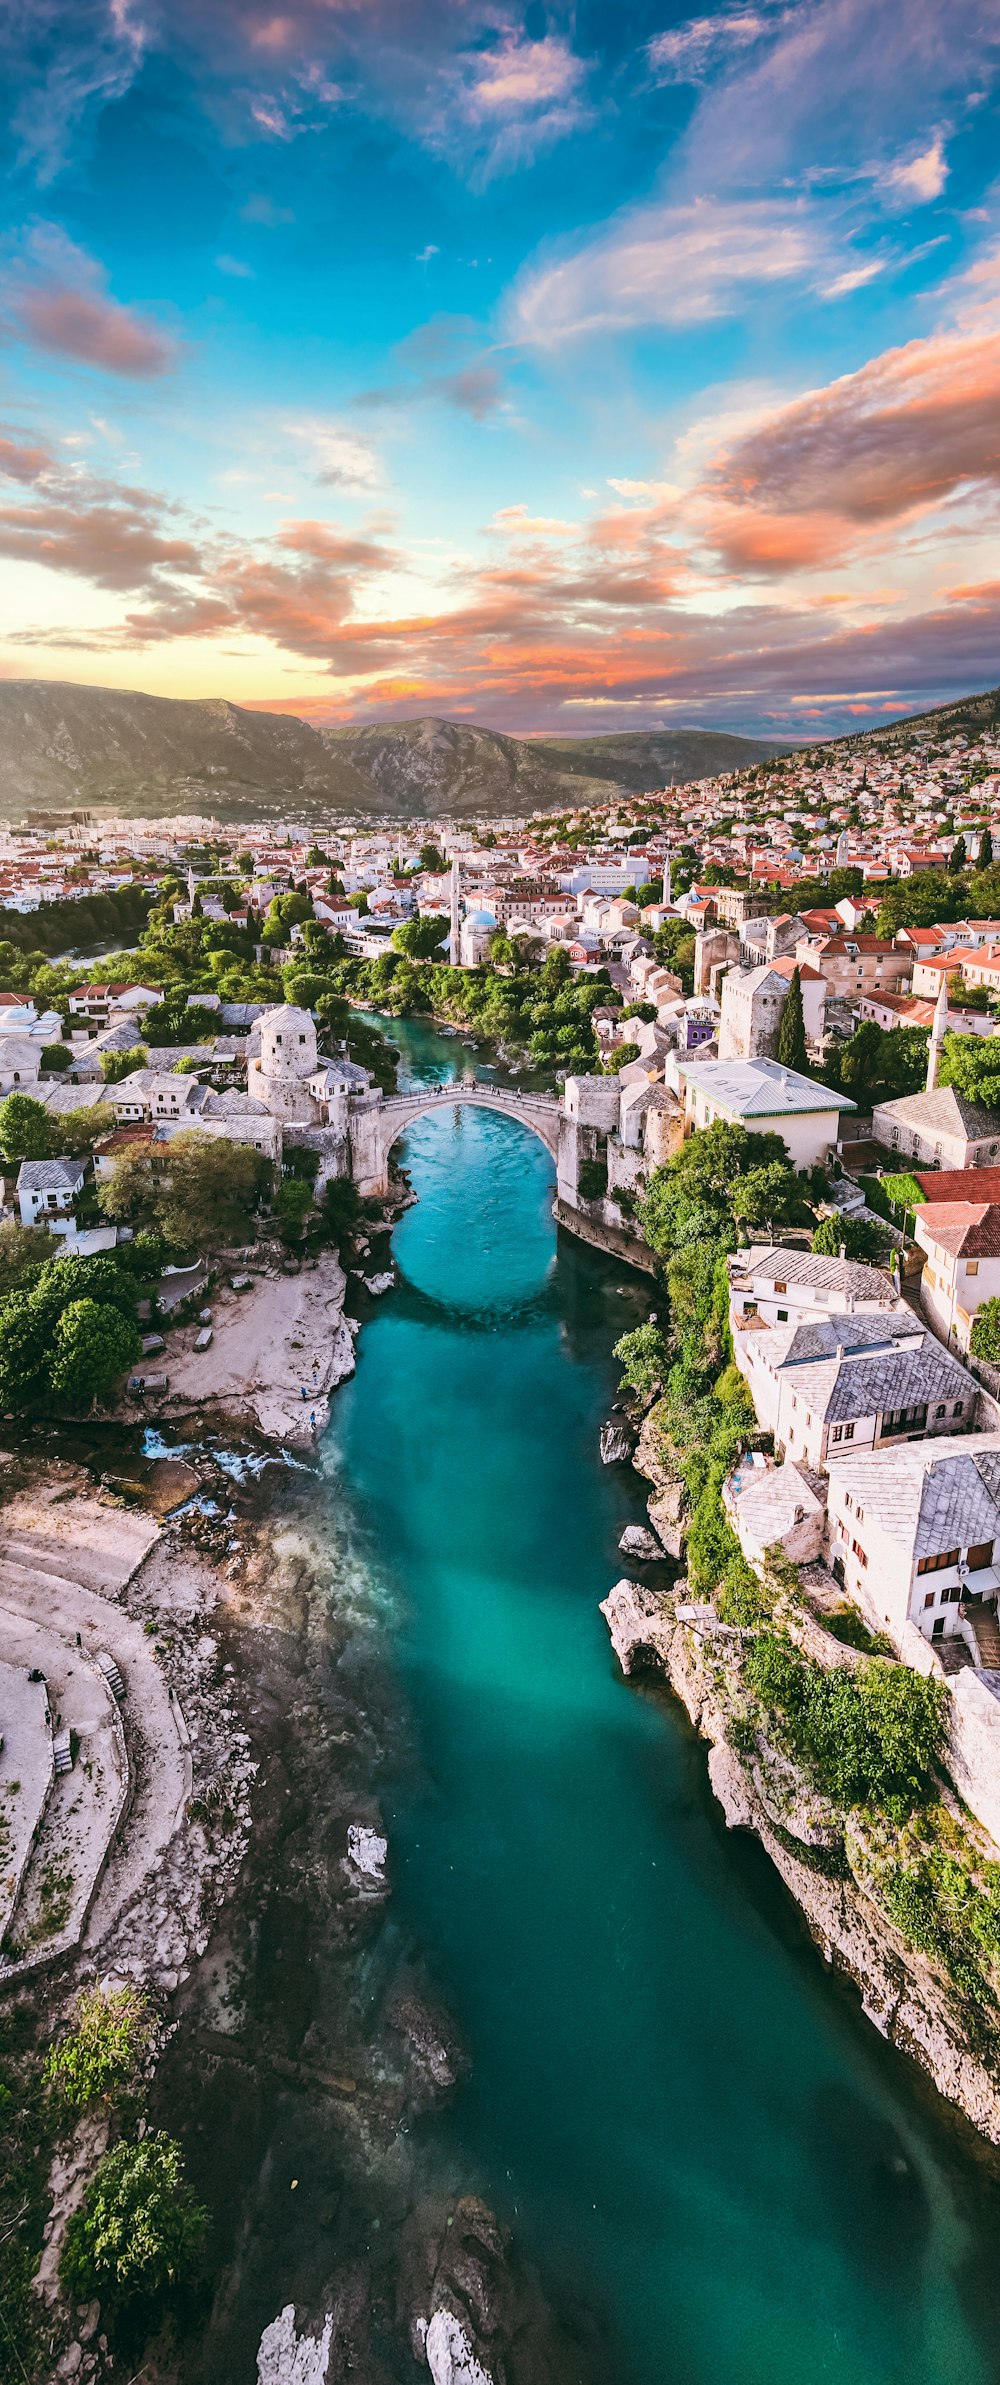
<point x="259" y="209"/>
<point x="236" y="268"/>
<point x="116" y="544"/>
<point x="921" y="178"/>
<point x="690" y="51"/>
<point x="495" y="107"/>
<point x="889" y="442"/>
<point x="670" y="265"/>
<point x="472" y="383"/>
<point x="58" y="301"/>
<point x="339" y="456"/>
<point x="23" y="463"/>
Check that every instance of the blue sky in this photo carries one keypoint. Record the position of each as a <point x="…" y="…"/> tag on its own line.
<point x="560" y="368"/>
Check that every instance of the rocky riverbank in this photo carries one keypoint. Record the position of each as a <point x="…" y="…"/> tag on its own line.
<point x="905" y="1996"/>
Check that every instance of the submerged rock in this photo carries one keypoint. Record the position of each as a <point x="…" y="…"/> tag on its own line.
<point x="287" y="2358"/>
<point x="617" y="1441"/>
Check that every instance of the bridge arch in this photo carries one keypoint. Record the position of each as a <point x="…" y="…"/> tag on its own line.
<point x="543" y="1117"/>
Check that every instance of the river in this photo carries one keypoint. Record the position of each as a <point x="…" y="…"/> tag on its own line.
<point x="696" y="2135"/>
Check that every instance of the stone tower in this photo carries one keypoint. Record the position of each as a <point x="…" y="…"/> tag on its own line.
<point x="454" y="939"/>
<point x="287" y="1060"/>
<point x="939" y="1030"/>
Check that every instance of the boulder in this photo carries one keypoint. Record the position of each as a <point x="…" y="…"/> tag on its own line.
<point x="617" y="1441"/>
<point x="637" y="1542"/>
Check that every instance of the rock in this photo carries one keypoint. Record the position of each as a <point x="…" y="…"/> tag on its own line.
<point x="450" y="2355"/>
<point x="70" y="2362"/>
<point x="367" y="1851"/>
<point x="617" y="1441"/>
<point x="637" y="1542"/>
<point x="287" y="2358"/>
<point x="380" y="1283"/>
<point x="641" y="1623"/>
<point x="87" y="2322"/>
<point x="665" y="1511"/>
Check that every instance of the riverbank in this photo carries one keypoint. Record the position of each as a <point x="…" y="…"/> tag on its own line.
<point x="279" y="1348"/>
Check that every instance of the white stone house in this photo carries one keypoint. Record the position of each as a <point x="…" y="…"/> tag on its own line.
<point x="836" y="1384"/>
<point x="962" y="1242"/>
<point x="46" y="1191"/>
<point x="784" y="1285"/>
<point x="940" y="1129"/>
<point x="751" y="1004"/>
<point x="765" y="1098"/>
<point x="914" y="1532"/>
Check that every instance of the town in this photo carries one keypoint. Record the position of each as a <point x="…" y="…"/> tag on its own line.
<point x="754" y="1022"/>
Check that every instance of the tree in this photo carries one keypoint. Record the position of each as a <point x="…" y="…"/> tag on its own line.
<point x="292" y="1203"/>
<point x="984" y="857"/>
<point x="791" y="1031"/>
<point x="23" y="1249"/>
<point x="620" y="1056"/>
<point x="651" y="891"/>
<point x="767" y="1196"/>
<point x="971" y="1063"/>
<point x="25" y="1131"/>
<point x="138" y="2227"/>
<point x="341" y="1208"/>
<point x="200" y="1196"/>
<point x="432" y="861"/>
<point x="419" y="939"/>
<point x="858" y="1238"/>
<point x="55" y="1058"/>
<point x="79" y="1130"/>
<point x="985" y="1339"/>
<point x="957" y="856"/>
<point x="644" y="1359"/>
<point x="92" y="1347"/>
<point x="919" y="902"/>
<point x="117" y="1065"/>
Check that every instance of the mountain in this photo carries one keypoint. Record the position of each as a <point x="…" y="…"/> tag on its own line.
<point x="968" y="716"/>
<point x="64" y="747"/>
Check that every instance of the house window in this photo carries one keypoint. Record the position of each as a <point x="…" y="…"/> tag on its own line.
<point x="972" y="1266"/>
<point x="930" y="1598"/>
<point x="782" y="1316"/>
<point x="942" y="1563"/>
<point x="940" y="1410"/>
<point x="859" y="1552"/>
<point x="980" y="1555"/>
<point x="843" y="1432"/>
<point x="780" y="1287"/>
<point x="906" y="1420"/>
<point x="958" y="1407"/>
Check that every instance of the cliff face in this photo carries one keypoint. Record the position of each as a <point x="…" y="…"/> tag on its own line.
<point x="904" y="1995"/>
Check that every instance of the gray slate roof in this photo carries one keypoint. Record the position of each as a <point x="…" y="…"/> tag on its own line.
<point x="810" y="1267"/>
<point x="929" y="1496"/>
<point x="49" y="1175"/>
<point x="944" y="1112"/>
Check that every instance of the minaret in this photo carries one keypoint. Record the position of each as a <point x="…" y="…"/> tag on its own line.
<point x="454" y="940"/>
<point x="666" y="877"/>
<point x="191" y="886"/>
<point x="939" y="1030"/>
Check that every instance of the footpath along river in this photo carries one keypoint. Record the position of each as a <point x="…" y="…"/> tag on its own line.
<point x="695" y="2133"/>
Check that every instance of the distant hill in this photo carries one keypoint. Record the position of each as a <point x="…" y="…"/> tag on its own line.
<point x="64" y="748"/>
<point x="968" y="716"/>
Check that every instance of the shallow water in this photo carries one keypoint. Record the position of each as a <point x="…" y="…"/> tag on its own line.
<point x="698" y="2137"/>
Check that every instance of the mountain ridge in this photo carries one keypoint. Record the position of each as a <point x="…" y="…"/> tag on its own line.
<point x="67" y="746"/>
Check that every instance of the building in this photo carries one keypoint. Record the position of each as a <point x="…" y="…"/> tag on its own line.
<point x="913" y="1533"/>
<point x="773" y="1506"/>
<point x="962" y="1243"/>
<point x="939" y="1128"/>
<point x="752" y="1000"/>
<point x="777" y="1285"/>
<point x="765" y="1098"/>
<point x="279" y="1076"/>
<point x="839" y="1383"/>
<point x="46" y="1191"/>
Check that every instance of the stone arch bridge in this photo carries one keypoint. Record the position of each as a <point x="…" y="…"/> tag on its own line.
<point x="377" y="1124"/>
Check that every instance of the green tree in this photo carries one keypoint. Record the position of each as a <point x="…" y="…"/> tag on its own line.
<point x="117" y="1065"/>
<point x="971" y="1063"/>
<point x="984" y="857"/>
<point x="92" y="1347"/>
<point x="644" y="1360"/>
<point x="858" y="1238"/>
<point x="341" y="1208"/>
<point x="792" y="1031"/>
<point x="79" y="1130"/>
<point x="957" y="856"/>
<point x="919" y="902"/>
<point x="985" y="1338"/>
<point x="292" y="1204"/>
<point x="138" y="2228"/>
<point x="23" y="1250"/>
<point x="55" y="1058"/>
<point x="620" y="1056"/>
<point x="25" y="1131"/>
<point x="201" y="1199"/>
<point x="419" y="939"/>
<point x="432" y="861"/>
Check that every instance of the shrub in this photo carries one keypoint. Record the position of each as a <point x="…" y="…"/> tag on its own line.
<point x="643" y="1359"/>
<point x="56" y="1056"/>
<point x="869" y="1737"/>
<point x="985" y="1339"/>
<point x="102" y="2053"/>
<point x="856" y="1236"/>
<point x="138" y="2227"/>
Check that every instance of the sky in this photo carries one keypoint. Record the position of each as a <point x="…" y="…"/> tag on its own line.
<point x="561" y="368"/>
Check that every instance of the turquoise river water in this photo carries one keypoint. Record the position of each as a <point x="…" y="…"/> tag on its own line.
<point x="696" y="2135"/>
